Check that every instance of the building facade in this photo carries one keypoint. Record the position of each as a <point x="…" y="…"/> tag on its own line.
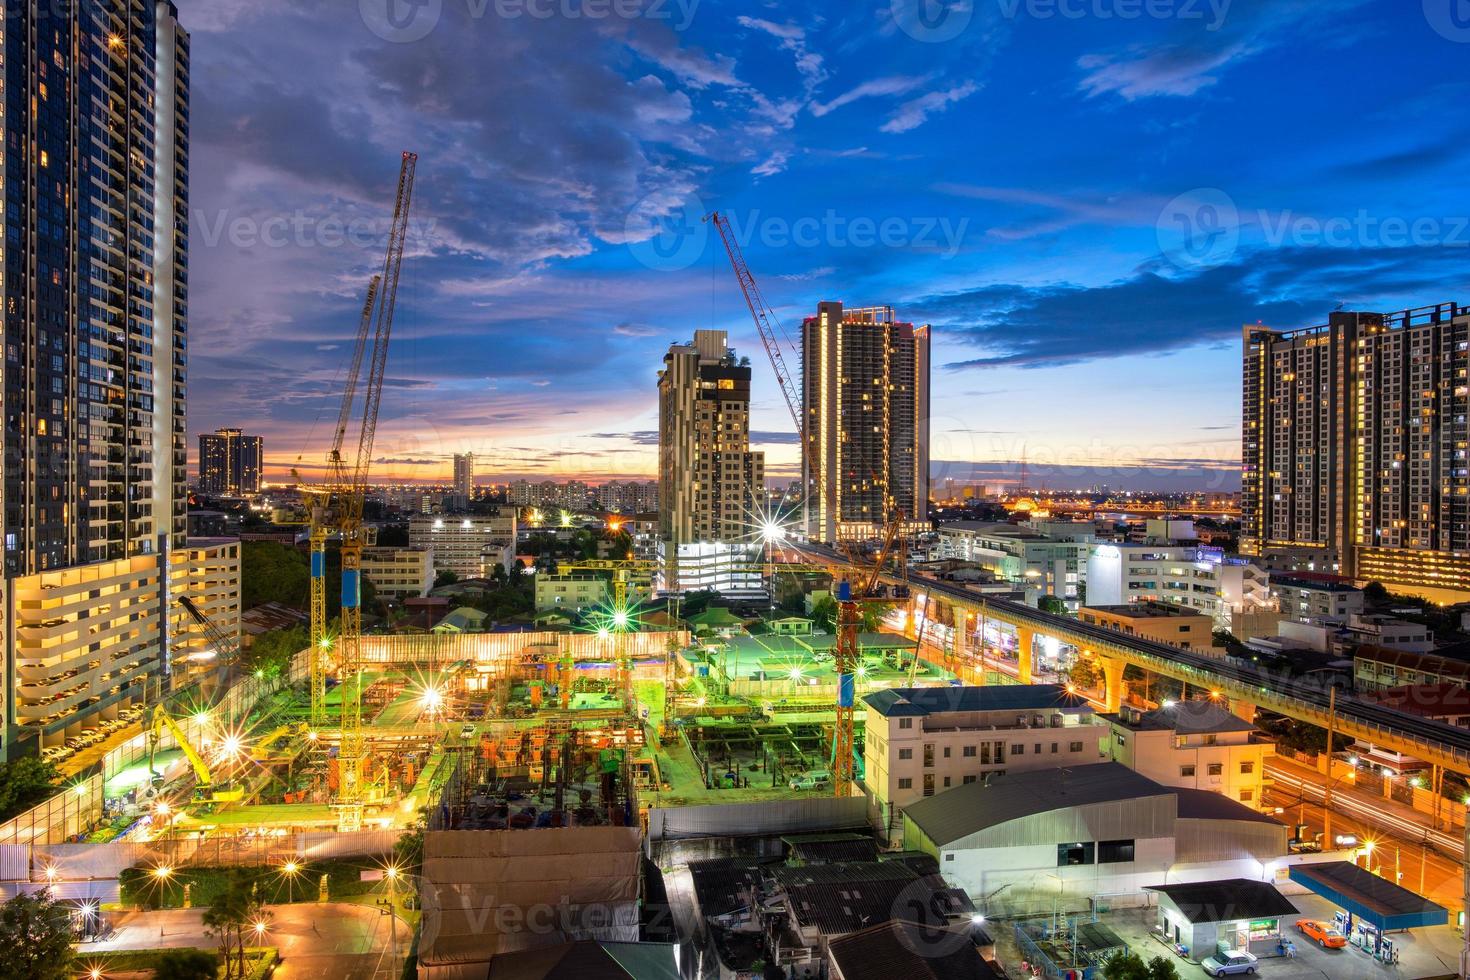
<point x="230" y="463"/>
<point x="1312" y="601"/>
<point x="710" y="482"/>
<point x="94" y="376"/>
<point x="922" y="741"/>
<point x="399" y="573"/>
<point x="1192" y="745"/>
<point x="95" y="297"/>
<point x="575" y="592"/>
<point x="865" y="403"/>
<point x="1161" y="622"/>
<point x="464" y="475"/>
<point x="1355" y="446"/>
<point x="1051" y="558"/>
<point x="470" y="546"/>
<point x="1231" y="591"/>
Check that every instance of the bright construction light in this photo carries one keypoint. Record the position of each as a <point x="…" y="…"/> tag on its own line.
<point x="201" y="717"/>
<point x="620" y="619"/>
<point x="95" y="973"/>
<point x="603" y="633"/>
<point x="160" y="809"/>
<point x="1352" y="760"/>
<point x="230" y="745"/>
<point x="392" y="873"/>
<point x="771" y="531"/>
<point x="978" y="919"/>
<point x="259" y="927"/>
<point x="796" y="673"/>
<point x="433" y="698"/>
<point x="51" y="872"/>
<point x="313" y="735"/>
<point x="1168" y="704"/>
<point x="325" y="644"/>
<point x="290" y="867"/>
<point x="162" y="872"/>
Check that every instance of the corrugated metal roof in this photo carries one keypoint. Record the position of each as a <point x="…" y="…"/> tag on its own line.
<point x="906" y="949"/>
<point x="920" y="701"/>
<point x="1383" y="903"/>
<point x="964" y="810"/>
<point x="1227" y="900"/>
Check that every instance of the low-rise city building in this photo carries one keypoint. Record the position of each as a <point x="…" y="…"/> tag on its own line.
<point x="921" y="741"/>
<point x="1315" y="600"/>
<point x="1048" y="559"/>
<point x="575" y="592"/>
<point x="1192" y="745"/>
<point x="1230" y="591"/>
<point x="399" y="573"/>
<point x="1161" y="622"/>
<point x="468" y="545"/>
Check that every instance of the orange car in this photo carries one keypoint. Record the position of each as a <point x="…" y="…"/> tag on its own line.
<point x="1320" y="932"/>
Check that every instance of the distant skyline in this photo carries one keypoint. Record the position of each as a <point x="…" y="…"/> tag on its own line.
<point x="1086" y="209"/>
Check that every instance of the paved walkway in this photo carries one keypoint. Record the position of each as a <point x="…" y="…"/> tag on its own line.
<point x="317" y="941"/>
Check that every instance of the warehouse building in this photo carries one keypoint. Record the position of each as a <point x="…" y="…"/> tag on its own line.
<point x="1097" y="831"/>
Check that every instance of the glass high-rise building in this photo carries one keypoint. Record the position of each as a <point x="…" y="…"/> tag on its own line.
<point x="230" y="462"/>
<point x="95" y="287"/>
<point x="865" y="397"/>
<point x="1354" y="452"/>
<point x="95" y="299"/>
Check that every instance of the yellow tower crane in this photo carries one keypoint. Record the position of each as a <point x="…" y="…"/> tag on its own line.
<point x="348" y="483"/>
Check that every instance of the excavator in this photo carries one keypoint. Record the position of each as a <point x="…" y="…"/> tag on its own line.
<point x="205" y="788"/>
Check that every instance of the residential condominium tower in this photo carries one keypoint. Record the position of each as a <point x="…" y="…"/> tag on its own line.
<point x="865" y="401"/>
<point x="464" y="474"/>
<point x="1355" y="446"/>
<point x="230" y="463"/>
<point x="709" y="480"/>
<point x="95" y="178"/>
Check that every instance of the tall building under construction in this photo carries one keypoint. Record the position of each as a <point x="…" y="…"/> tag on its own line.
<point x="865" y="402"/>
<point x="709" y="480"/>
<point x="1354" y="451"/>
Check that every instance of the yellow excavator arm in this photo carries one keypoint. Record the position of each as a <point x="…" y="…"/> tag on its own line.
<point x="204" y="778"/>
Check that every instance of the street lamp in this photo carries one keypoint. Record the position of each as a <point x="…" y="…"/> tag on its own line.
<point x="290" y="869"/>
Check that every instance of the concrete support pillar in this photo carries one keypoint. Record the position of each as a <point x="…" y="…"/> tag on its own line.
<point x="1243" y="710"/>
<point x="910" y="628"/>
<point x="1112" y="671"/>
<point x="1025" y="644"/>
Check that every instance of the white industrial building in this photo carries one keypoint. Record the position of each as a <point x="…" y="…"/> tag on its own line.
<point x="1234" y="593"/>
<point x="470" y="546"/>
<point x="1087" y="832"/>
<point x="1047" y="558"/>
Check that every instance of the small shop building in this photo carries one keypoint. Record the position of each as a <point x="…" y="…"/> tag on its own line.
<point x="1201" y="917"/>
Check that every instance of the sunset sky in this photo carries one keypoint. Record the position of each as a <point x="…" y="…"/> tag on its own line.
<point x="1086" y="209"/>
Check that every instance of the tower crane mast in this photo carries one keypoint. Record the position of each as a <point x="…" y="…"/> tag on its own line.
<point x="352" y="495"/>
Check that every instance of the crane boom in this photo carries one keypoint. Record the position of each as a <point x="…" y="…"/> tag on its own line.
<point x="351" y="755"/>
<point x="764" y="318"/>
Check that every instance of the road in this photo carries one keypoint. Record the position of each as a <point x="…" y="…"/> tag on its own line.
<point x="331" y="941"/>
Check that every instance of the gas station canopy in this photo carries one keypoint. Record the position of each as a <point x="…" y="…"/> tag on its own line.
<point x="1368" y="897"/>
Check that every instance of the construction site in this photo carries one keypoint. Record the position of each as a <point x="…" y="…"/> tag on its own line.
<point x="580" y="727"/>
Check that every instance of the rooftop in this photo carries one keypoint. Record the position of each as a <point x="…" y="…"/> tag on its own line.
<point x="906" y="949"/>
<point x="923" y="701"/>
<point x="1144" y="610"/>
<point x="1232" y="899"/>
<point x="1195" y="717"/>
<point x="973" y="807"/>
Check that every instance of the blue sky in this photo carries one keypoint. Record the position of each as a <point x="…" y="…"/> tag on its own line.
<point x="1085" y="198"/>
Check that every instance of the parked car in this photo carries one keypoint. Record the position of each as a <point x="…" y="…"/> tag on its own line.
<point x="54" y="753"/>
<point x="1322" y="933"/>
<point x="815" y="779"/>
<point x="1229" y="962"/>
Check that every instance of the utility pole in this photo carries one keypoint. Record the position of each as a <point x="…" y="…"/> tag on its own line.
<point x="1327" y="791"/>
<point x="1465" y="898"/>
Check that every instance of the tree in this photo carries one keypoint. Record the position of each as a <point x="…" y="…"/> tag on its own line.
<point x="1130" y="966"/>
<point x="24" y="783"/>
<point x="1376" y="594"/>
<point x="270" y="653"/>
<point x="1085" y="674"/>
<point x="273" y="572"/>
<point x="1051" y="604"/>
<point x="186" y="964"/>
<point x="824" y="613"/>
<point x="35" y="933"/>
<point x="445" y="577"/>
<point x="227" y="919"/>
